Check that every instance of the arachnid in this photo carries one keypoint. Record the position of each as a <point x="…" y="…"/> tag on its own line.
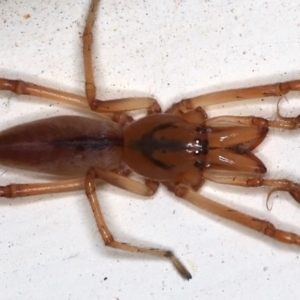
<point x="180" y="148"/>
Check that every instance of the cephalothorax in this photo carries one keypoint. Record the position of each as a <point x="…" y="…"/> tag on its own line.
<point x="180" y="148"/>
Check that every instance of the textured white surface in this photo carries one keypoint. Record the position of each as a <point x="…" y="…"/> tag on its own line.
<point x="49" y="246"/>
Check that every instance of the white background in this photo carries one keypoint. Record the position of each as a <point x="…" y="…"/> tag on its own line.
<point x="49" y="245"/>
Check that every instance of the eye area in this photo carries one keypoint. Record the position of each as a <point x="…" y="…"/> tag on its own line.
<point x="201" y="129"/>
<point x="200" y="147"/>
<point x="199" y="164"/>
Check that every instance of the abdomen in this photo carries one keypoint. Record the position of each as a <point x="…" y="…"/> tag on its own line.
<point x="65" y="145"/>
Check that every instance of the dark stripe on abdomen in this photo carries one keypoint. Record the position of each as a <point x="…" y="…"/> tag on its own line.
<point x="85" y="143"/>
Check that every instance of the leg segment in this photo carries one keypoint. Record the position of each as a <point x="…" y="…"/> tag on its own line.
<point x="20" y="87"/>
<point x="110" y="106"/>
<point x="228" y="213"/>
<point x="125" y="183"/>
<point x="90" y="88"/>
<point x="277" y="184"/>
<point x="24" y="190"/>
<point x="281" y="122"/>
<point x="27" y="88"/>
<point x="277" y="89"/>
<point x="115" y="105"/>
<point x="195" y="116"/>
<point x="108" y="237"/>
<point x="88" y="183"/>
<point x="77" y="184"/>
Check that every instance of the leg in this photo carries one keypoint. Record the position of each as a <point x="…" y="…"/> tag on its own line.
<point x="115" y="105"/>
<point x="27" y="88"/>
<point x="88" y="183"/>
<point x="194" y="116"/>
<point x="77" y="184"/>
<point x="24" y="190"/>
<point x="105" y="232"/>
<point x="20" y="87"/>
<point x="125" y="183"/>
<point x="277" y="89"/>
<point x="110" y="106"/>
<point x="281" y="122"/>
<point x="277" y="184"/>
<point x="228" y="213"/>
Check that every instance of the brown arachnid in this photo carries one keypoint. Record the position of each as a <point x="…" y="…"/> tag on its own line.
<point x="179" y="148"/>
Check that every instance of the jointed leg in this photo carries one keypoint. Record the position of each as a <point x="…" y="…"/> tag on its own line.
<point x="106" y="234"/>
<point x="89" y="102"/>
<point x="277" y="184"/>
<point x="277" y="89"/>
<point x="68" y="185"/>
<point x="90" y="88"/>
<point x="115" y="105"/>
<point x="281" y="122"/>
<point x="145" y="189"/>
<point x="228" y="213"/>
<point x="27" y="88"/>
<point x="88" y="183"/>
<point x="20" y="87"/>
<point x="194" y="116"/>
<point x="31" y="189"/>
